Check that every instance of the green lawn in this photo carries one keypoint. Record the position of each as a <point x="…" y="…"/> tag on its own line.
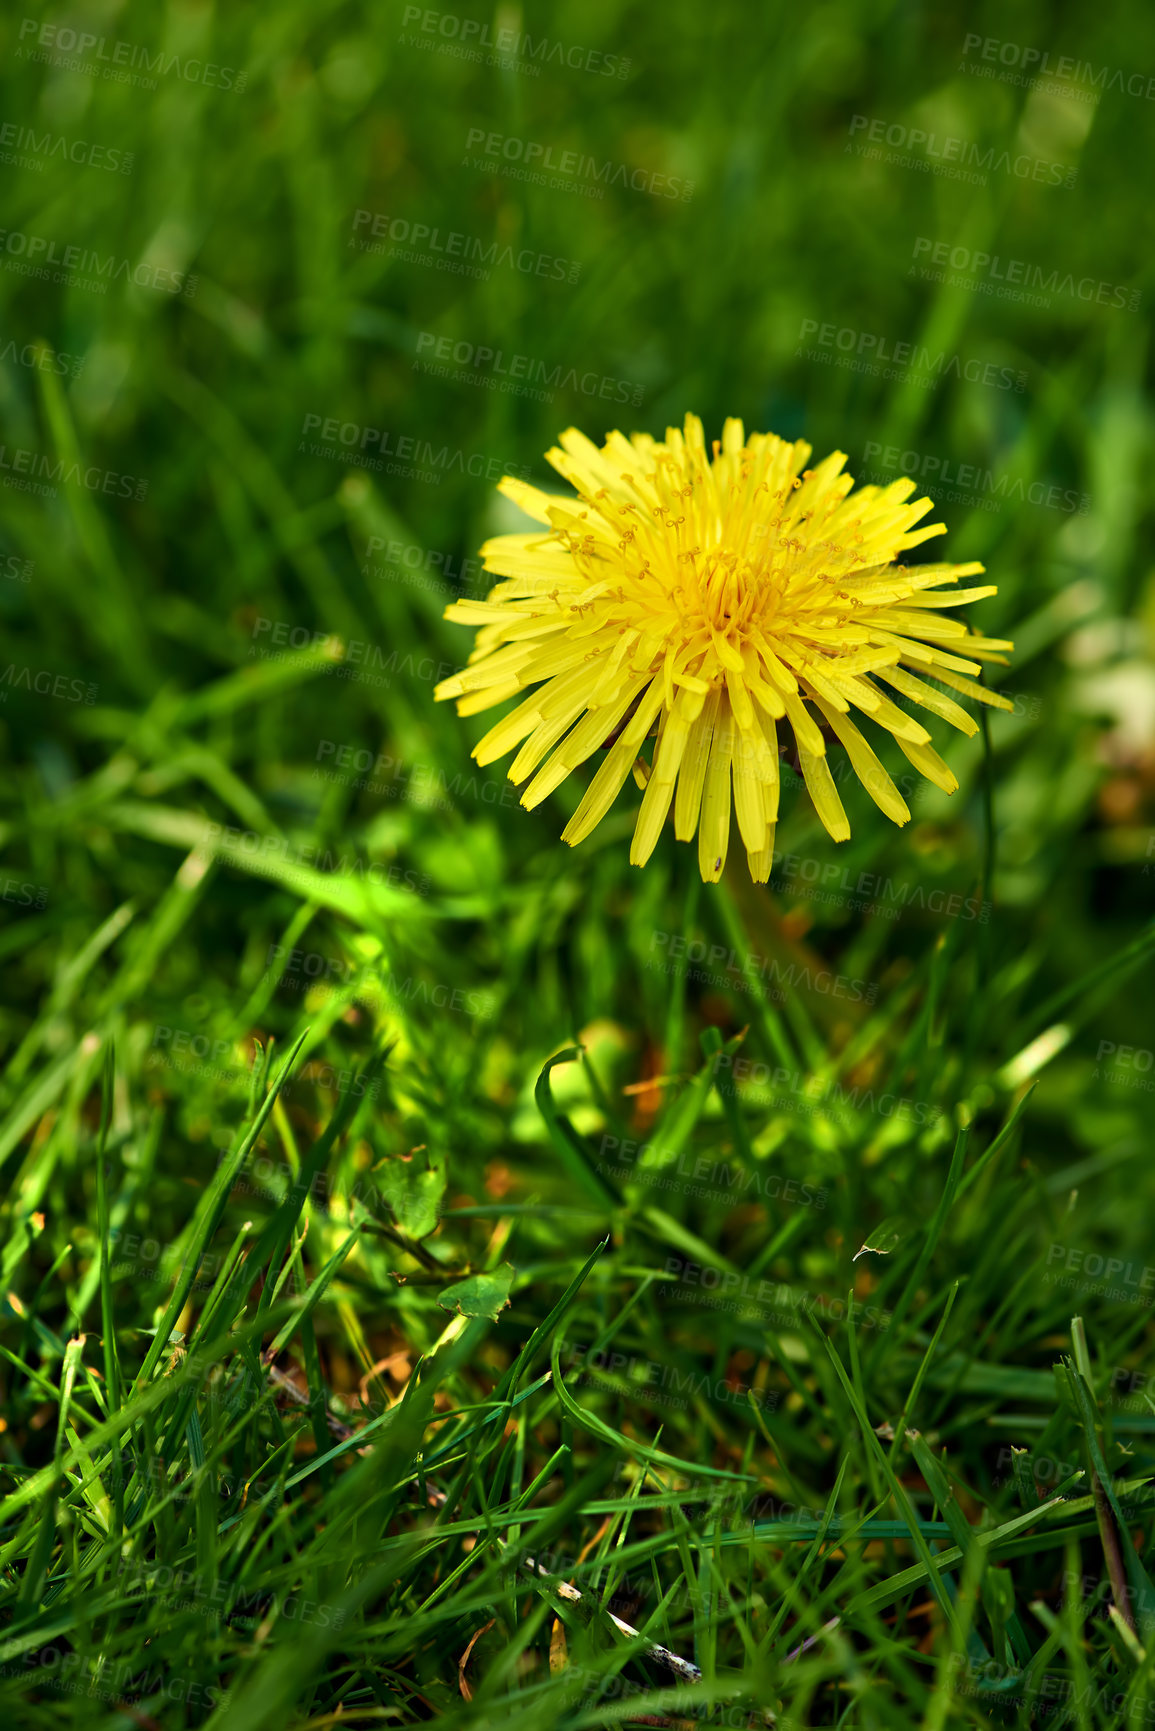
<point x="447" y="1275"/>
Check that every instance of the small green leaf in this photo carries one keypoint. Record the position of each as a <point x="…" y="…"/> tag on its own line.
<point x="480" y="1294"/>
<point x="884" y="1239"/>
<point x="413" y="1191"/>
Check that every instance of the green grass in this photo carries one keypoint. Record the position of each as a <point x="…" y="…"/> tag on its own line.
<point x="430" y="1253"/>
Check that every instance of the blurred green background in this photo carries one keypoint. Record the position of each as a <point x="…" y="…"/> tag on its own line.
<point x="221" y="604"/>
<point x="255" y="205"/>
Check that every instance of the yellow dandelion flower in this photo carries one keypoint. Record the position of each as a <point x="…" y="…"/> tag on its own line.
<point x="706" y="598"/>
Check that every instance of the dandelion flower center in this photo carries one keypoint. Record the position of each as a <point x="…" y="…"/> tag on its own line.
<point x="708" y="596"/>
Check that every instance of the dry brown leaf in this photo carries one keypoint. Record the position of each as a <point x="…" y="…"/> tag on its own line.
<point x="466" y="1691"/>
